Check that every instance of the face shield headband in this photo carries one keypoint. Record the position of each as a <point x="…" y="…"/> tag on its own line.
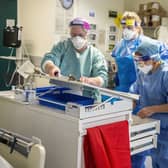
<point x="129" y="22"/>
<point x="80" y="22"/>
<point x="147" y="57"/>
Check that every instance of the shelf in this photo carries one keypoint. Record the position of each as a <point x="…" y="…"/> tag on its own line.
<point x="149" y="27"/>
<point x="12" y="58"/>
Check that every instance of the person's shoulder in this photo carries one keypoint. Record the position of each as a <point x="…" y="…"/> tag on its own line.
<point x="93" y="48"/>
<point x="63" y="43"/>
<point x="165" y="67"/>
<point x="164" y="72"/>
<point x="120" y="43"/>
<point x="144" y="38"/>
<point x="95" y="51"/>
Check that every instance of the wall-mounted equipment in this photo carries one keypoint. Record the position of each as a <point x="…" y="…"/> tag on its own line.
<point x="112" y="14"/>
<point x="66" y="4"/>
<point x="12" y="36"/>
<point x="112" y="33"/>
<point x="12" y="39"/>
<point x="92" y="37"/>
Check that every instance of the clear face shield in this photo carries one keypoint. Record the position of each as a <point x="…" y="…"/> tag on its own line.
<point x="129" y="29"/>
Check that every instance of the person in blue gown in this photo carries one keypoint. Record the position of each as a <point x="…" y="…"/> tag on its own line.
<point x="152" y="86"/>
<point x="132" y="37"/>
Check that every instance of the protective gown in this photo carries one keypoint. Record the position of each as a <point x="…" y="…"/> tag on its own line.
<point x="122" y="54"/>
<point x="89" y="63"/>
<point x="153" y="90"/>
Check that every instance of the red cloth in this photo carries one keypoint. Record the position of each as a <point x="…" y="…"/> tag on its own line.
<point x="107" y="146"/>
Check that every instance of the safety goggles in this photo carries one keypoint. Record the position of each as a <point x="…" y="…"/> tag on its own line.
<point x="128" y="22"/>
<point x="145" y="57"/>
<point x="142" y="58"/>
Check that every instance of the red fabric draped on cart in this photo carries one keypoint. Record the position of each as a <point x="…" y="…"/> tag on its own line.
<point x="107" y="146"/>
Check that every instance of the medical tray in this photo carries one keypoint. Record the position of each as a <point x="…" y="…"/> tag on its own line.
<point x="59" y="97"/>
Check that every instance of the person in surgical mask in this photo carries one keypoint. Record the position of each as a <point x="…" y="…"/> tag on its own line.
<point x="74" y="56"/>
<point x="152" y="86"/>
<point x="132" y="37"/>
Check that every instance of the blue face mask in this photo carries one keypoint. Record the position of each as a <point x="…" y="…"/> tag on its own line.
<point x="128" y="34"/>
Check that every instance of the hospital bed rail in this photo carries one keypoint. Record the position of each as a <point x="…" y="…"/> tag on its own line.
<point x="20" y="151"/>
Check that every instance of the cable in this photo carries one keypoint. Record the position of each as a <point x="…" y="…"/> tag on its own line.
<point x="26" y="52"/>
<point x="12" y="77"/>
<point x="8" y="70"/>
<point x="9" y="62"/>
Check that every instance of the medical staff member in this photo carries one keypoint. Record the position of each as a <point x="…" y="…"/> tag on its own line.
<point x="76" y="57"/>
<point x="132" y="37"/>
<point x="152" y="86"/>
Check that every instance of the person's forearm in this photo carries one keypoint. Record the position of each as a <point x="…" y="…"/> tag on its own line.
<point x="160" y="108"/>
<point x="97" y="81"/>
<point x="150" y="110"/>
<point x="48" y="67"/>
<point x="51" y="69"/>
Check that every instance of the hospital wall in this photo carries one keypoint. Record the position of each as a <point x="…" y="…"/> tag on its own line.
<point x="38" y="19"/>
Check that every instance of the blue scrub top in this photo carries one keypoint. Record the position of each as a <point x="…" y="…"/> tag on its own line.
<point x="122" y="53"/>
<point x="153" y="90"/>
<point x="127" y="47"/>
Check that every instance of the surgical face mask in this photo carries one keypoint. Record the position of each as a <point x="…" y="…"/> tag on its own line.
<point x="145" y="69"/>
<point x="129" y="34"/>
<point x="79" y="42"/>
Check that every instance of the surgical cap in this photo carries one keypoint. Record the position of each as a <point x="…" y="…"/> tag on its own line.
<point x="80" y="21"/>
<point x="149" y="48"/>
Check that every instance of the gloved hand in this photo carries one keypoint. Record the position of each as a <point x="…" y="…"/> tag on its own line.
<point x="55" y="71"/>
<point x="52" y="69"/>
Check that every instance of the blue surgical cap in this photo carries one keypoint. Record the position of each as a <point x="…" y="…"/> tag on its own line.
<point x="149" y="48"/>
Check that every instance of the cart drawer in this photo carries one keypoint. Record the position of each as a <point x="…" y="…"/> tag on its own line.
<point x="143" y="144"/>
<point x="143" y="134"/>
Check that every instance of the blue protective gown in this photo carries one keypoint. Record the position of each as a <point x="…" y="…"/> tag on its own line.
<point x="127" y="73"/>
<point x="153" y="90"/>
<point x="89" y="63"/>
<point x="122" y="53"/>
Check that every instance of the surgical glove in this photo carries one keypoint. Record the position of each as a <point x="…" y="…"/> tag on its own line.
<point x="52" y="69"/>
<point x="55" y="71"/>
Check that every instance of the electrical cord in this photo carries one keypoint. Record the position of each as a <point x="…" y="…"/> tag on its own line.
<point x="25" y="52"/>
<point x="8" y="70"/>
<point x="12" y="77"/>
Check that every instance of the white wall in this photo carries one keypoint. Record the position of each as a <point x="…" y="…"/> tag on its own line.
<point x="101" y="9"/>
<point x="101" y="18"/>
<point x="38" y="19"/>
